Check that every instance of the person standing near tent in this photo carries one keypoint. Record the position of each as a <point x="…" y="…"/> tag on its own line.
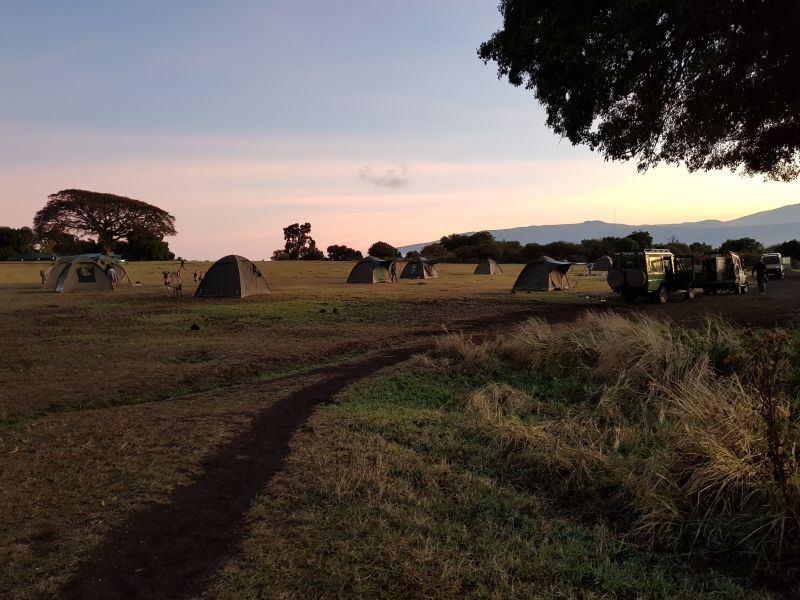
<point x="112" y="275"/>
<point x="760" y="272"/>
<point x="393" y="272"/>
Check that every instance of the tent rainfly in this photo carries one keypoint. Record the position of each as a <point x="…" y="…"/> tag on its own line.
<point x="487" y="267"/>
<point x="232" y="276"/>
<point x="603" y="263"/>
<point x="85" y="273"/>
<point x="419" y="268"/>
<point x="371" y="269"/>
<point x="543" y="275"/>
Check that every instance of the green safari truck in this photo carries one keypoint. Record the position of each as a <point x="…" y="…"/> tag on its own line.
<point x="654" y="273"/>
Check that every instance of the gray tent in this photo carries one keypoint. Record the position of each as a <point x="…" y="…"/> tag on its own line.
<point x="487" y="267"/>
<point x="371" y="270"/>
<point x="232" y="276"/>
<point x="85" y="273"/>
<point x="603" y="263"/>
<point x="543" y="275"/>
<point x="419" y="268"/>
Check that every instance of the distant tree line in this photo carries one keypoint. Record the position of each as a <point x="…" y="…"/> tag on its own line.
<point x="470" y="248"/>
<point x="299" y="245"/>
<point x="140" y="245"/>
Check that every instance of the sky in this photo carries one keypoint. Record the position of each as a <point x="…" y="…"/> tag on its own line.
<point x="370" y="120"/>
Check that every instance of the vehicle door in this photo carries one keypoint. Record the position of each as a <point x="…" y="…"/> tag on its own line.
<point x="684" y="275"/>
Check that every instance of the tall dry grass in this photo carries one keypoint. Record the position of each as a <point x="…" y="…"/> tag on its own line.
<point x="695" y="431"/>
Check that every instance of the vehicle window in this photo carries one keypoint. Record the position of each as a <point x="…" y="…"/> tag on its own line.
<point x="770" y="260"/>
<point x="656" y="265"/>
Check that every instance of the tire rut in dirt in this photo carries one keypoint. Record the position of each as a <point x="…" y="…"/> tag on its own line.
<point x="172" y="550"/>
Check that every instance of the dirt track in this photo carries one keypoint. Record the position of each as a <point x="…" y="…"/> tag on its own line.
<point x="172" y="550"/>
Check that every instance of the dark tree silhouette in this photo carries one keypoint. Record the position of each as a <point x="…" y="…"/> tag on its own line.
<point x="788" y="248"/>
<point x="107" y="216"/>
<point x="337" y="252"/>
<point x="384" y="250"/>
<point x="15" y="241"/>
<point x="711" y="84"/>
<point x="299" y="244"/>
<point x="745" y="245"/>
<point x="642" y="238"/>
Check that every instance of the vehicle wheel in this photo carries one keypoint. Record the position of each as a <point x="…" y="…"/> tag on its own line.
<point x="746" y="287"/>
<point x="690" y="294"/>
<point x="662" y="295"/>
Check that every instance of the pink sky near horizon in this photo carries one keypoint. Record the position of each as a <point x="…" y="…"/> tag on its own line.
<point x="240" y="205"/>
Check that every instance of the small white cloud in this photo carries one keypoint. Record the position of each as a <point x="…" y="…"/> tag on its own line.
<point x="395" y="176"/>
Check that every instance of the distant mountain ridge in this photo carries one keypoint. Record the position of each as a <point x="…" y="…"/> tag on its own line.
<point x="768" y="227"/>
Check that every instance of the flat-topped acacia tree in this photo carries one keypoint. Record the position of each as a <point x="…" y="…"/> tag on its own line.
<point x="107" y="216"/>
<point x="710" y="84"/>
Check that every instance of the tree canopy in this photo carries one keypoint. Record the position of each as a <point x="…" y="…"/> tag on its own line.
<point x="709" y="84"/>
<point x="107" y="216"/>
<point x="299" y="244"/>
<point x="788" y="248"/>
<point x="341" y="252"/>
<point x="15" y="241"/>
<point x="745" y="245"/>
<point x="384" y="250"/>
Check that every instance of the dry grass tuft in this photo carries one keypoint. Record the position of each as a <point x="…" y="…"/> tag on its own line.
<point x="497" y="400"/>
<point x="697" y="430"/>
<point x="465" y="355"/>
<point x="715" y="482"/>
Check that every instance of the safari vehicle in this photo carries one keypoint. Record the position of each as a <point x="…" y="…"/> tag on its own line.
<point x="724" y="273"/>
<point x="652" y="273"/>
<point x="774" y="263"/>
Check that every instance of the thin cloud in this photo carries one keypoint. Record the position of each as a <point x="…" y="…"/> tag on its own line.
<point x="392" y="177"/>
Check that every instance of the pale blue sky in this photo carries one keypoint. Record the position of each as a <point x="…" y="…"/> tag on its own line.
<point x="241" y="117"/>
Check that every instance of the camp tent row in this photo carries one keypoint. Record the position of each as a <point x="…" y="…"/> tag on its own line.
<point x="230" y="277"/>
<point x="234" y="276"/>
<point x="541" y="274"/>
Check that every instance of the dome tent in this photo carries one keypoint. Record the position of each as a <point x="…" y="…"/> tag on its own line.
<point x="85" y="273"/>
<point x="419" y="268"/>
<point x="371" y="270"/>
<point x="543" y="275"/>
<point x="487" y="267"/>
<point x="603" y="263"/>
<point x="232" y="276"/>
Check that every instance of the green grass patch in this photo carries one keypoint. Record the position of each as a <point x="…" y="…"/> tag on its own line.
<point x="393" y="492"/>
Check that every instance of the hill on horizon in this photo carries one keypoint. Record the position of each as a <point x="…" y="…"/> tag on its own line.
<point x="768" y="227"/>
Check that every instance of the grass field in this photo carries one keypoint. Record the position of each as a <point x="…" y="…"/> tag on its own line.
<point x="109" y="403"/>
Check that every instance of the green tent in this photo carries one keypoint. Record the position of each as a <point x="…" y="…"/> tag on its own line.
<point x="85" y="273"/>
<point x="543" y="275"/>
<point x="371" y="270"/>
<point x="232" y="276"/>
